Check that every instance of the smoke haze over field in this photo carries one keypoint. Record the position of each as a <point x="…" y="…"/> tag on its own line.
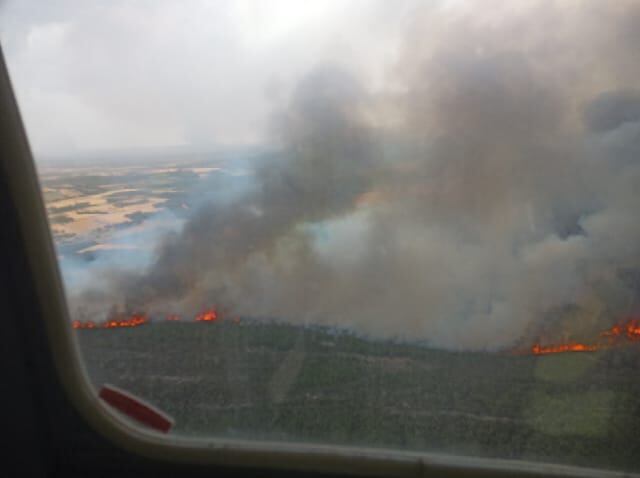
<point x="486" y="186"/>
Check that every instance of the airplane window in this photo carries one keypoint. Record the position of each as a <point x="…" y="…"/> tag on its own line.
<point x="404" y="225"/>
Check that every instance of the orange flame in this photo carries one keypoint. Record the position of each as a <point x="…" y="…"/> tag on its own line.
<point x="538" y="349"/>
<point x="134" y="321"/>
<point x="629" y="330"/>
<point x="210" y="315"/>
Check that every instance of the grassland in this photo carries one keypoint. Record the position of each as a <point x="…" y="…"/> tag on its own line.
<point x="281" y="382"/>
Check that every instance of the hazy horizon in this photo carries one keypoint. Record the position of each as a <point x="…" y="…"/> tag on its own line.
<point x="91" y="76"/>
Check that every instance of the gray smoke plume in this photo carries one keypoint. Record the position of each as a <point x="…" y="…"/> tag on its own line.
<point x="487" y="197"/>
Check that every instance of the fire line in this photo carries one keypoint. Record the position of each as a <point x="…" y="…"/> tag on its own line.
<point x="133" y="321"/>
<point x="628" y="331"/>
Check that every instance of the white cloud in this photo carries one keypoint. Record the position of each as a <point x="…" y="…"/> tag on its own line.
<point x="96" y="75"/>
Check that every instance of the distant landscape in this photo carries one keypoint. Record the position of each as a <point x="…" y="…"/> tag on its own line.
<point x="89" y="203"/>
<point x="259" y="378"/>
<point x="120" y="209"/>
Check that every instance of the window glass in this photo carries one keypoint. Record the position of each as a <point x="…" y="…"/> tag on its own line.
<point x="409" y="225"/>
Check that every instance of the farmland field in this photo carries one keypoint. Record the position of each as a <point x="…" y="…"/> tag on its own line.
<point x="106" y="213"/>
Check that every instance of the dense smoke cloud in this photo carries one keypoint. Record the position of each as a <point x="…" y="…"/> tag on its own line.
<point x="485" y="196"/>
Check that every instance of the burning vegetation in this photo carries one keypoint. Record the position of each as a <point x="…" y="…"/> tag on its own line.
<point x="628" y="331"/>
<point x="135" y="320"/>
<point x="209" y="315"/>
<point x="538" y="349"/>
<point x="618" y="335"/>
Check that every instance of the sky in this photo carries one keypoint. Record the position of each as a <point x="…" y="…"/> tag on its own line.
<point x="100" y="75"/>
